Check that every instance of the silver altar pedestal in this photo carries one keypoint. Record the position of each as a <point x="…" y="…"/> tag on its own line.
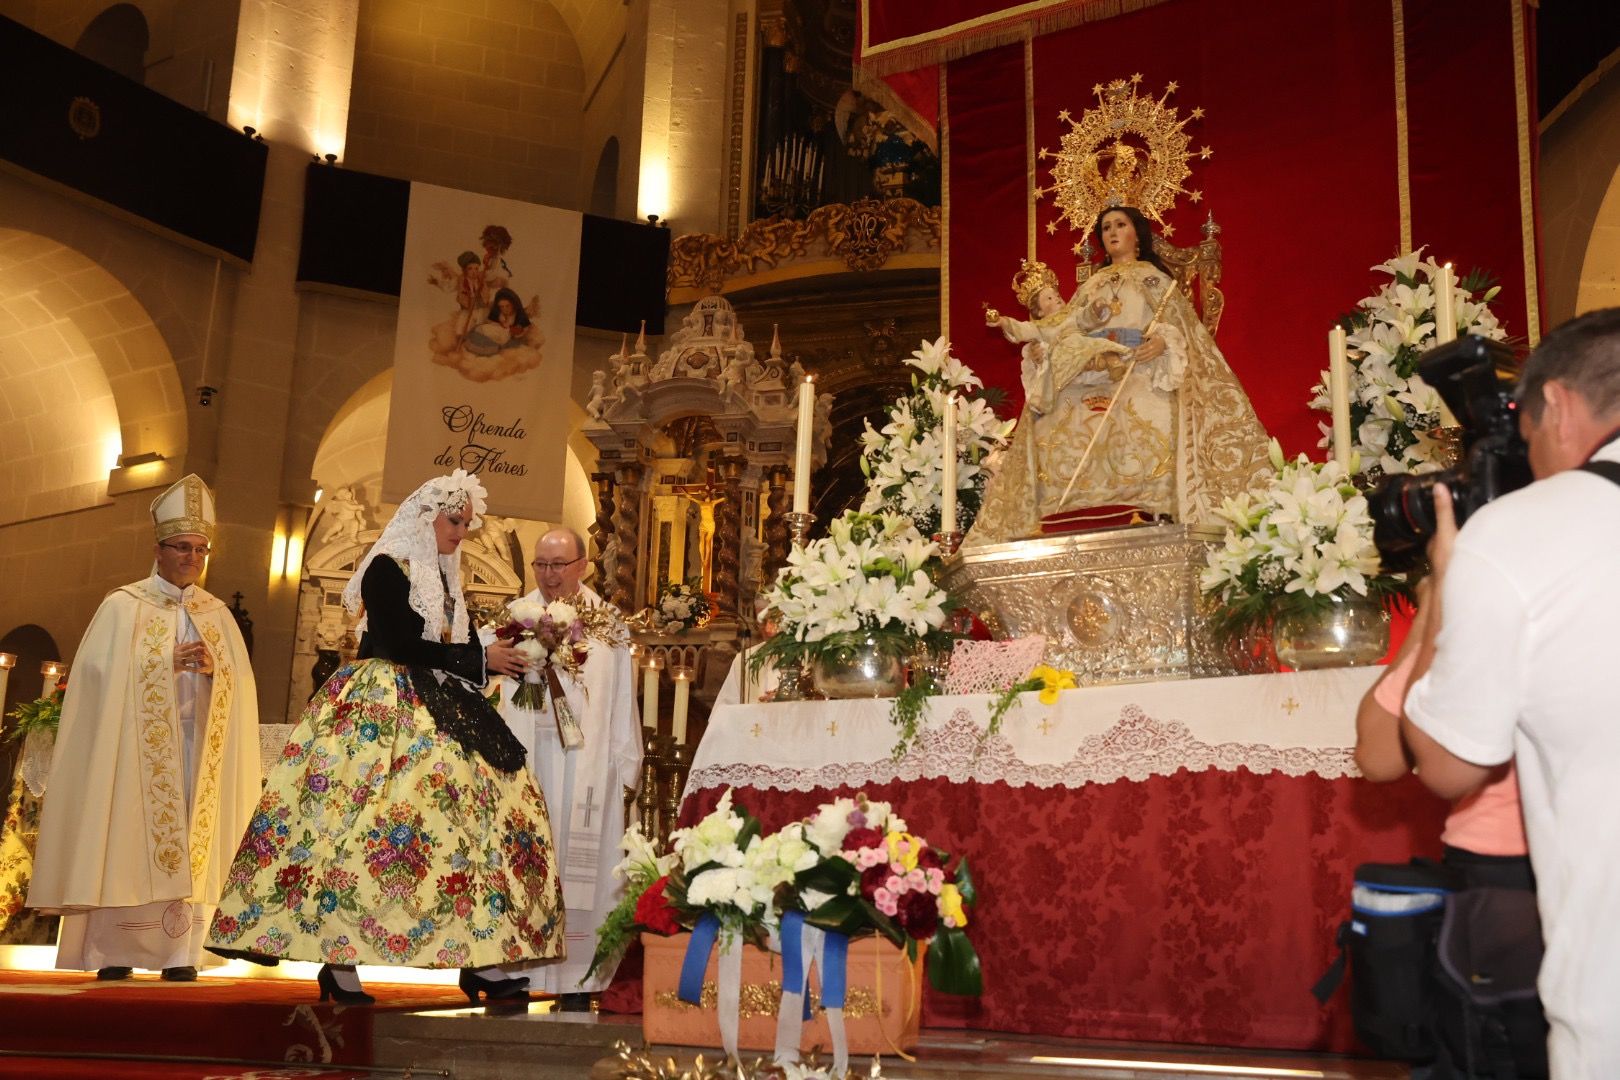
<point x="1116" y="606"/>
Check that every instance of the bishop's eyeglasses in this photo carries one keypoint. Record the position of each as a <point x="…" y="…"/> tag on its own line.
<point x="186" y="550"/>
<point x="554" y="567"/>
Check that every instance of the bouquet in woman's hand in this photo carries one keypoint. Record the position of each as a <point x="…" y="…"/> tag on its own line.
<point x="556" y="636"/>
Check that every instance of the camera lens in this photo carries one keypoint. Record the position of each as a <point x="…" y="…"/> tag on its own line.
<point x="1402" y="509"/>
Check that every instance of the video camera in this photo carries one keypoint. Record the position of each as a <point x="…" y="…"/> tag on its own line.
<point x="1494" y="460"/>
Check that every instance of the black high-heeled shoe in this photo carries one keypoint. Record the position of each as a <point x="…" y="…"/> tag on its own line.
<point x="327" y="981"/>
<point x="472" y="984"/>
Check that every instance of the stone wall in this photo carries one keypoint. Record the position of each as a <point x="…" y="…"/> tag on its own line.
<point x="486" y="99"/>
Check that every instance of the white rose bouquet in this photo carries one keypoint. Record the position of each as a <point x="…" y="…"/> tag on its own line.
<point x="1294" y="544"/>
<point x="556" y="637"/>
<point x="680" y="607"/>
<point x="903" y="462"/>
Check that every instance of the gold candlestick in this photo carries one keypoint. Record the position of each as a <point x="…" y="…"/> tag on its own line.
<point x="793" y="682"/>
<point x="675" y="766"/>
<point x="949" y="542"/>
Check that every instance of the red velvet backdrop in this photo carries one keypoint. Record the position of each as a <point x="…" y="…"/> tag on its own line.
<point x="1301" y="111"/>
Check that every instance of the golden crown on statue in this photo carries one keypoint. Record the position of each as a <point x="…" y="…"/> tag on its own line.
<point x="1031" y="278"/>
<point x="1127" y="151"/>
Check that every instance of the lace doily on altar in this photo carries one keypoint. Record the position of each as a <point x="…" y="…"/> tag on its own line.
<point x="1134" y="748"/>
<point x="988" y="667"/>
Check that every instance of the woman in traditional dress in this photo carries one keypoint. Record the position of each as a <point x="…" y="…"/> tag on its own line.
<point x="401" y="825"/>
<point x="1159" y="453"/>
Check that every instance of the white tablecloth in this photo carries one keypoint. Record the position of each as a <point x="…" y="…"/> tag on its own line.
<point x="1293" y="723"/>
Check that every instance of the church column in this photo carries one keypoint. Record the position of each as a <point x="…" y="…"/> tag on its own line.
<point x="294" y="61"/>
<point x="627" y="530"/>
<point x="683" y="151"/>
<point x="728" y="537"/>
<point x="777" y="541"/>
<point x="607" y="551"/>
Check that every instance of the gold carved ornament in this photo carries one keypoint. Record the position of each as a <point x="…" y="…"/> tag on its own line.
<point x="1127" y="151"/>
<point x="863" y="234"/>
<point x="155" y="719"/>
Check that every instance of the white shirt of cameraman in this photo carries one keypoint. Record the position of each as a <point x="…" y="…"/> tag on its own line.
<point x="1520" y="663"/>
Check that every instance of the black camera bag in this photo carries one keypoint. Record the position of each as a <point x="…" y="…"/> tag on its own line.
<point x="1488" y="1015"/>
<point x="1389" y="940"/>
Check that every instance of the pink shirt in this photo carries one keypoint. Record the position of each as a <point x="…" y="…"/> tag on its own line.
<point x="1488" y="822"/>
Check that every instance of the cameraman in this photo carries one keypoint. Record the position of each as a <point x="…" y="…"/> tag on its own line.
<point x="1519" y="660"/>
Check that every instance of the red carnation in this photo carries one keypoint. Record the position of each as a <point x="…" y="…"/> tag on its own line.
<point x="580" y="655"/>
<point x="919" y="914"/>
<point x="872" y="879"/>
<point x="862" y="838"/>
<point x="653" y="910"/>
<point x="928" y="859"/>
<point x="510" y="632"/>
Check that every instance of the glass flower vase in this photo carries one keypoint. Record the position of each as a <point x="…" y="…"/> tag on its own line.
<point x="863" y="668"/>
<point x="1351" y="632"/>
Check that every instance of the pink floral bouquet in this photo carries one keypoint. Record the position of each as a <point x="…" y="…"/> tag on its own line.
<point x="875" y="876"/>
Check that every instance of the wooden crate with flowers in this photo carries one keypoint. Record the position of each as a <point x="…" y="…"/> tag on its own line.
<point x="813" y="936"/>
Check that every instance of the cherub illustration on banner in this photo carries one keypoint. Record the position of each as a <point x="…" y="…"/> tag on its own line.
<point x="492" y="334"/>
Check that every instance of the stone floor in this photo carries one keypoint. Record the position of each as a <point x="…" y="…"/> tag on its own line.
<point x="477" y="1044"/>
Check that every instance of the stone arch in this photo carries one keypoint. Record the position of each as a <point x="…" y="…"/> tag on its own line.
<point x="352" y="451"/>
<point x="118" y="39"/>
<point x="605" y="187"/>
<point x="32" y="646"/>
<point x="1578" y="200"/>
<point x="1599" y="285"/>
<point x="85" y="377"/>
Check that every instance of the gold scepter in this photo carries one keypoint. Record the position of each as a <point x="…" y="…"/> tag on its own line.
<point x="1085" y="457"/>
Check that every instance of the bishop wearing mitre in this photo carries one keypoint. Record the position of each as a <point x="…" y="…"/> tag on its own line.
<point x="156" y="768"/>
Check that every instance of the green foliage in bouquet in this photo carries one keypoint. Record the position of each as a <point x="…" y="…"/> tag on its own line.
<point x="41" y="714"/>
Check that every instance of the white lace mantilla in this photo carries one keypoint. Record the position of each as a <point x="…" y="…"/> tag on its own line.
<point x="1295" y="724"/>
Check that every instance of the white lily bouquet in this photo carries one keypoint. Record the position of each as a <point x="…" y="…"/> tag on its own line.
<point x="556" y="637"/>
<point x="866" y="579"/>
<point x="903" y="462"/>
<point x="1392" y="410"/>
<point x="1292" y="546"/>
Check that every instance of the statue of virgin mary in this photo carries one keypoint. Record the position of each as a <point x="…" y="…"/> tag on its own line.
<point x="1131" y="412"/>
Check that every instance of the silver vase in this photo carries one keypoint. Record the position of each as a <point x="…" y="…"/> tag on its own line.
<point x="1351" y="633"/>
<point x="862" y="669"/>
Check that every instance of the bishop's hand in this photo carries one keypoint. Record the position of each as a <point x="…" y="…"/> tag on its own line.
<point x="193" y="658"/>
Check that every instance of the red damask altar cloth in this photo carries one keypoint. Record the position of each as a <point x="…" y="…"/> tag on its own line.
<point x="1147" y="869"/>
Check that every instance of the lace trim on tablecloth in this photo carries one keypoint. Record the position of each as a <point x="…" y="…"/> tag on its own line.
<point x="1136" y="747"/>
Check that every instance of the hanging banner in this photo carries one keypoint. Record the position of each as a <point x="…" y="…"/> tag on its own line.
<point x="484" y="349"/>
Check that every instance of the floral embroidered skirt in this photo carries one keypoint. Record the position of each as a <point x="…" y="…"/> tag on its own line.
<point x="381" y="841"/>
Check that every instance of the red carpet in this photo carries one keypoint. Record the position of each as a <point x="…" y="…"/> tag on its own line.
<point x="32" y="1068"/>
<point x="243" y="1020"/>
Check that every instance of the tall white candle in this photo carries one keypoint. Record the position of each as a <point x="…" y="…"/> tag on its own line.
<point x="649" y="694"/>
<point x="1339" y="390"/>
<point x="1445" y="312"/>
<point x="801" y="452"/>
<point x="1445" y="319"/>
<point x="683" y="694"/>
<point x="947" y="501"/>
<point x="7" y="662"/>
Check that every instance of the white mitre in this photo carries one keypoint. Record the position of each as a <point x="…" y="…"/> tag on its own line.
<point x="186" y="508"/>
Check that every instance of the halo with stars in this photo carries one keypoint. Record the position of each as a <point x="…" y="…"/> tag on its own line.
<point x="1128" y="150"/>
